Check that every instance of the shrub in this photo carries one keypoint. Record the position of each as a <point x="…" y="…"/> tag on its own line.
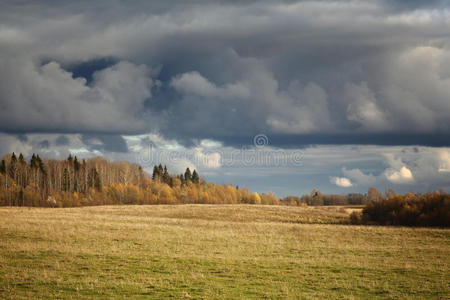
<point x="432" y="209"/>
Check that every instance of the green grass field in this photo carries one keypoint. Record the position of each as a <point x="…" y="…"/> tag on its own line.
<point x="215" y="251"/>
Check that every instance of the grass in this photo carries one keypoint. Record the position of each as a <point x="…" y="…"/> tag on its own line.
<point x="215" y="251"/>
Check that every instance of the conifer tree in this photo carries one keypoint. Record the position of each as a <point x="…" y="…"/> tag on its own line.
<point x="33" y="161"/>
<point x="13" y="166"/>
<point x="181" y="177"/>
<point x="166" y="176"/>
<point x="76" y="164"/>
<point x="195" y="177"/>
<point x="3" y="167"/>
<point x="22" y="171"/>
<point x="155" y="172"/>
<point x="66" y="180"/>
<point x="41" y="165"/>
<point x="21" y="159"/>
<point x="187" y="175"/>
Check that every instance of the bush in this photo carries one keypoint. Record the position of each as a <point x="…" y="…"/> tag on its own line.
<point x="432" y="209"/>
<point x="355" y="218"/>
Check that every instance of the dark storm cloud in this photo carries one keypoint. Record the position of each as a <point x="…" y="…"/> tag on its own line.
<point x="105" y="142"/>
<point x="22" y="137"/>
<point x="44" y="144"/>
<point x="301" y="72"/>
<point x="295" y="141"/>
<point x="87" y="69"/>
<point x="416" y="4"/>
<point x="61" y="140"/>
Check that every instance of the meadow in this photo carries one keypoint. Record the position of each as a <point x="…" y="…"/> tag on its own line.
<point x="216" y="252"/>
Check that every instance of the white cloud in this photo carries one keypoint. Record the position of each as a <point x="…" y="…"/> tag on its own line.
<point x="341" y="181"/>
<point x="424" y="168"/>
<point x="444" y="163"/>
<point x="196" y="84"/>
<point x="179" y="166"/>
<point x="402" y="176"/>
<point x="207" y="160"/>
<point x="359" y="177"/>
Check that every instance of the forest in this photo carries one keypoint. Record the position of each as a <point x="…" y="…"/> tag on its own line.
<point x="96" y="181"/>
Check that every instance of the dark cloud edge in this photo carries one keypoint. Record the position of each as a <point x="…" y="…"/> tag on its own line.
<point x="306" y="140"/>
<point x="276" y="140"/>
<point x="281" y="140"/>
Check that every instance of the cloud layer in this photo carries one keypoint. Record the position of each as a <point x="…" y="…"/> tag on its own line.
<point x="227" y="69"/>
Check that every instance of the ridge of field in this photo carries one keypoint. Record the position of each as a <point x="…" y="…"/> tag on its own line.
<point x="215" y="252"/>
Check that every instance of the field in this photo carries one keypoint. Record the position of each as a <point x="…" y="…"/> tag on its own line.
<point x="215" y="251"/>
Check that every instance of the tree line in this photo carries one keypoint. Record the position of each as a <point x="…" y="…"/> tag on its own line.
<point x="96" y="181"/>
<point x="316" y="198"/>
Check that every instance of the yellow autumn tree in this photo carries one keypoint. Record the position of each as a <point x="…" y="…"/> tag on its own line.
<point x="166" y="196"/>
<point x="255" y="198"/>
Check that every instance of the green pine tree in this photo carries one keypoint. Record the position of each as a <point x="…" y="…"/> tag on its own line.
<point x="13" y="167"/>
<point x="156" y="175"/>
<point x="76" y="164"/>
<point x="195" y="178"/>
<point x="3" y="167"/>
<point x="21" y="159"/>
<point x="166" y="176"/>
<point x="187" y="175"/>
<point x="66" y="180"/>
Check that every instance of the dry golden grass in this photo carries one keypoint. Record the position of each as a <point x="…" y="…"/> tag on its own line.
<point x="215" y="251"/>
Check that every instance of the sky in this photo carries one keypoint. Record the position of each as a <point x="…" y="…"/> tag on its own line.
<point x="278" y="96"/>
